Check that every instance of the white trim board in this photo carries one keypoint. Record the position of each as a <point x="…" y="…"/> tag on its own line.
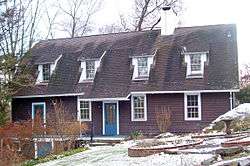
<point x="53" y="95"/>
<point x="131" y="93"/>
<point x="117" y="116"/>
<point x="107" y="99"/>
<point x="187" y="91"/>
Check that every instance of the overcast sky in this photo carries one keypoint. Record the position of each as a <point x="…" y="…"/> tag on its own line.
<point x="197" y="12"/>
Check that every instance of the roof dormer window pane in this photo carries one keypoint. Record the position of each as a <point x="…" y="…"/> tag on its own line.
<point x="90" y="69"/>
<point x="142" y="67"/>
<point x="46" y="72"/>
<point x="195" y="62"/>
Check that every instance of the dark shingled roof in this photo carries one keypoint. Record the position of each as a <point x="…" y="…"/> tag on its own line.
<point x="114" y="76"/>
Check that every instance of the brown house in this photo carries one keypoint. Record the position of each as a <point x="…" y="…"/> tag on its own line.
<point x="118" y="82"/>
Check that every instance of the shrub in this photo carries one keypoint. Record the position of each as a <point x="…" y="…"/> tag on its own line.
<point x="163" y="118"/>
<point x="244" y="95"/>
<point x="136" y="135"/>
<point x="236" y="125"/>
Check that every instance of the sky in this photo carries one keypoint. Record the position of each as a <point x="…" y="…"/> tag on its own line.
<point x="196" y="12"/>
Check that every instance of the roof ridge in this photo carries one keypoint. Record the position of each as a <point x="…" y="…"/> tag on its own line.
<point x="208" y="25"/>
<point x="105" y="34"/>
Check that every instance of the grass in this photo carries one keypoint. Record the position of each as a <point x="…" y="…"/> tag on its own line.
<point x="53" y="157"/>
<point x="243" y="154"/>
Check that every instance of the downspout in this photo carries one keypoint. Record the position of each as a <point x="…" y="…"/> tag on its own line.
<point x="231" y="100"/>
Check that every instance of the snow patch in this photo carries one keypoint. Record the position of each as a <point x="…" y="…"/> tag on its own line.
<point x="240" y="112"/>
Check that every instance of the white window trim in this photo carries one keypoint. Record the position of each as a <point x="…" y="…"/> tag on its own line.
<point x="83" y="76"/>
<point x="199" y="107"/>
<point x="145" y="108"/>
<point x="44" y="110"/>
<point x="79" y="111"/>
<point x="192" y="74"/>
<point x="143" y="75"/>
<point x="150" y="61"/>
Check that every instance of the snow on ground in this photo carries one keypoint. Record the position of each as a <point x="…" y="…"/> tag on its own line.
<point x="118" y="155"/>
<point x="242" y="111"/>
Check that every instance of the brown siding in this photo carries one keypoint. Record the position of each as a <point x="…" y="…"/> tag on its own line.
<point x="22" y="108"/>
<point x="213" y="105"/>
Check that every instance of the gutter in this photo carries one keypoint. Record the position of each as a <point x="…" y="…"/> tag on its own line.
<point x="53" y="95"/>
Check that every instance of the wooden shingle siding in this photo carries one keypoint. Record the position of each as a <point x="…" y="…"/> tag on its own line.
<point x="212" y="104"/>
<point x="21" y="108"/>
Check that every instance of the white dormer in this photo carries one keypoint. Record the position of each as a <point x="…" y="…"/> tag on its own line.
<point x="195" y="64"/>
<point x="89" y="68"/>
<point x="45" y="71"/>
<point x="142" y="66"/>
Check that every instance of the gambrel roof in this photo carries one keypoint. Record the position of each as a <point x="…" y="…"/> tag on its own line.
<point x="114" y="77"/>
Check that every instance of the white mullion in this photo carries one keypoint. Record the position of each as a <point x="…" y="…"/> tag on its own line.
<point x="186" y="107"/>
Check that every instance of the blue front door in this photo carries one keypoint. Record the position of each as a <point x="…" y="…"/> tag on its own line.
<point x="110" y="117"/>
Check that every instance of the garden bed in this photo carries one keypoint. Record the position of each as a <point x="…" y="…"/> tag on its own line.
<point x="168" y="147"/>
<point x="245" y="141"/>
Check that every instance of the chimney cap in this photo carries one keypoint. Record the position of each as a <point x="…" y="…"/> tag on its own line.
<point x="166" y="8"/>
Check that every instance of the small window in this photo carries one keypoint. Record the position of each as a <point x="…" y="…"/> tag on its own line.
<point x="46" y="72"/>
<point x="192" y="107"/>
<point x="139" y="108"/>
<point x="90" y="69"/>
<point x="195" y="63"/>
<point x="142" y="67"/>
<point x="85" y="110"/>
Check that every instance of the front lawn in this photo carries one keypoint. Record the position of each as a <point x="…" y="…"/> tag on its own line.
<point x="53" y="157"/>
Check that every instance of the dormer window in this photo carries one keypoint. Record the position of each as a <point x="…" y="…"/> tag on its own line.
<point x="142" y="67"/>
<point x="46" y="69"/>
<point x="46" y="72"/>
<point x="90" y="69"/>
<point x="195" y="64"/>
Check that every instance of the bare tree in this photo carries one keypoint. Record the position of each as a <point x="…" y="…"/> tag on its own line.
<point x="78" y="15"/>
<point x="18" y="24"/>
<point x="245" y="76"/>
<point x="51" y="23"/>
<point x="113" y="28"/>
<point x="163" y="118"/>
<point x="146" y="13"/>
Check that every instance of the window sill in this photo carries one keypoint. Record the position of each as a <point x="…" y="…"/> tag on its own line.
<point x="194" y="76"/>
<point x="139" y="120"/>
<point x="141" y="79"/>
<point x="85" y="120"/>
<point x="87" y="81"/>
<point x="42" y="83"/>
<point x="192" y="119"/>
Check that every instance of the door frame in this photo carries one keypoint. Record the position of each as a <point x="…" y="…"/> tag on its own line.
<point x="44" y="111"/>
<point x="117" y="116"/>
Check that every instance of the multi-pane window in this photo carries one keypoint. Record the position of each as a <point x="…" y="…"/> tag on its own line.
<point x="46" y="72"/>
<point x="90" y="69"/>
<point x="85" y="110"/>
<point x="193" y="111"/>
<point x="195" y="62"/>
<point x="138" y="108"/>
<point x="142" y="66"/>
